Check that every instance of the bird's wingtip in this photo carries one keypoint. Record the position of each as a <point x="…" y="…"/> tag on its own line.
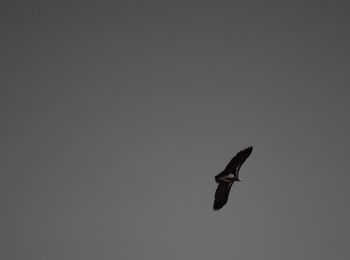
<point x="216" y="208"/>
<point x="249" y="148"/>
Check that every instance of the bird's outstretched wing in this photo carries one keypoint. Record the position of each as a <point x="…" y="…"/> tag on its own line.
<point x="221" y="194"/>
<point x="235" y="164"/>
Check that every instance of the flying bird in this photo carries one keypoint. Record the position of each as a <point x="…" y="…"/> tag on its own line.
<point x="228" y="176"/>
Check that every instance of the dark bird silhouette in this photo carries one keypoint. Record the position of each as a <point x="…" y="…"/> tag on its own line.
<point x="228" y="176"/>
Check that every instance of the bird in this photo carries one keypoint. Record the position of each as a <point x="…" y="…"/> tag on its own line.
<point x="228" y="176"/>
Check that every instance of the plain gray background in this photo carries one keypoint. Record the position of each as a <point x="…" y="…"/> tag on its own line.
<point x="115" y="117"/>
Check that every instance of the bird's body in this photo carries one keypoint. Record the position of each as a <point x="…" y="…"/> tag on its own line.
<point x="228" y="176"/>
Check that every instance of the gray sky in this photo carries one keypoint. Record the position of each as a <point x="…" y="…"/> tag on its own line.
<point x="115" y="117"/>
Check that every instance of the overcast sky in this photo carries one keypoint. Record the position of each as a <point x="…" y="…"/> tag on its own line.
<point x="115" y="118"/>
